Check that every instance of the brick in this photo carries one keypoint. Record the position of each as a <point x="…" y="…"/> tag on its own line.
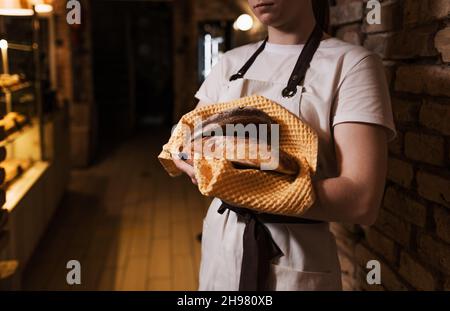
<point x="425" y="148"/>
<point x="423" y="11"/>
<point x="389" y="70"/>
<point x="405" y="207"/>
<point x="434" y="188"/>
<point x="442" y="221"/>
<point x="394" y="227"/>
<point x="396" y="145"/>
<point x="442" y="43"/>
<point x="382" y="245"/>
<point x="371" y="287"/>
<point x="345" y="241"/>
<point x="346" y="13"/>
<point x="378" y="43"/>
<point x="436" y="116"/>
<point x="347" y="265"/>
<point x="400" y="172"/>
<point x="351" y="34"/>
<point x="405" y="111"/>
<point x="389" y="18"/>
<point x="434" y="252"/>
<point x="447" y="284"/>
<point x="418" y="276"/>
<point x="346" y="246"/>
<point x="388" y="277"/>
<point x="363" y="255"/>
<point x="343" y="231"/>
<point x="390" y="280"/>
<point x="348" y="283"/>
<point x="405" y="44"/>
<point x="421" y="79"/>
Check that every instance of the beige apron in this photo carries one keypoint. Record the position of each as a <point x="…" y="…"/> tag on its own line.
<point x="309" y="260"/>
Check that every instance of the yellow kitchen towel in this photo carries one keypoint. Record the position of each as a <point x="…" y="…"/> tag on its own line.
<point x="259" y="190"/>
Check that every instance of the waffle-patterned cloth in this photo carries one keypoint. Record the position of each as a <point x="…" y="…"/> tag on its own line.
<point x="262" y="191"/>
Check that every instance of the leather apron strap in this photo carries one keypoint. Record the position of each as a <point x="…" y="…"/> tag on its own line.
<point x="301" y="67"/>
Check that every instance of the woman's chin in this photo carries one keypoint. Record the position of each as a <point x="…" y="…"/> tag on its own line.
<point x="268" y="19"/>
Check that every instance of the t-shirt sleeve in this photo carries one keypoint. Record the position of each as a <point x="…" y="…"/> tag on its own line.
<point x="210" y="89"/>
<point x="363" y="96"/>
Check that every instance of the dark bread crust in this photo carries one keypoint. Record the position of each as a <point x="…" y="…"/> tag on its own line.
<point x="286" y="164"/>
<point x="241" y="115"/>
<point x="244" y="116"/>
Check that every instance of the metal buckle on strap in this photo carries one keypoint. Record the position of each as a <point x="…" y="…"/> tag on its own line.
<point x="288" y="92"/>
<point x="236" y="76"/>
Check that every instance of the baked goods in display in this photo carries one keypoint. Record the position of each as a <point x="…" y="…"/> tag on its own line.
<point x="7" y="80"/>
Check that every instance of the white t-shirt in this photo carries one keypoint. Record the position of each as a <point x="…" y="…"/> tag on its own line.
<point x="345" y="83"/>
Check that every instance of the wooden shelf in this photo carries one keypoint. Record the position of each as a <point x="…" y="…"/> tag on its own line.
<point x="12" y="169"/>
<point x="17" y="87"/>
<point x="23" y="184"/>
<point x="9" y="132"/>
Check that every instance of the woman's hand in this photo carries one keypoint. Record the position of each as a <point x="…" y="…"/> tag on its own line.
<point x="186" y="168"/>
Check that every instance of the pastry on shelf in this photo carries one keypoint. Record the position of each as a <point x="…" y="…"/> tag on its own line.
<point x="11" y="123"/>
<point x="8" y="268"/>
<point x="13" y="168"/>
<point x="7" y="80"/>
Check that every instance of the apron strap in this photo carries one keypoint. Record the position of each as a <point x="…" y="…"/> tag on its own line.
<point x="240" y="74"/>
<point x="302" y="65"/>
<point x="303" y="62"/>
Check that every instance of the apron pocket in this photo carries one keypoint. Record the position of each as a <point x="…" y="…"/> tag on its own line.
<point x="287" y="279"/>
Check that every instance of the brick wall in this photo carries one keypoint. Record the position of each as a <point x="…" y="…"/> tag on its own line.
<point x="411" y="238"/>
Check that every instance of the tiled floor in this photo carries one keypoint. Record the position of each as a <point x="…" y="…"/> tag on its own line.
<point x="129" y="225"/>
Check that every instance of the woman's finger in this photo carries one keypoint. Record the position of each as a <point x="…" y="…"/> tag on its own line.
<point x="186" y="168"/>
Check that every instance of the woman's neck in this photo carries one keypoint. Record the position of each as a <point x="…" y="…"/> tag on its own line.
<point x="295" y="32"/>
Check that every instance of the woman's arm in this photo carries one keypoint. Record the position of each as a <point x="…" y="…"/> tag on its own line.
<point x="356" y="194"/>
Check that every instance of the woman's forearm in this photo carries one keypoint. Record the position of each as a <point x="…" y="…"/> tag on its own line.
<point x="354" y="196"/>
<point x="341" y="199"/>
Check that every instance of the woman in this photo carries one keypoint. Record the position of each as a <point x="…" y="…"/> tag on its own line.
<point x="345" y="98"/>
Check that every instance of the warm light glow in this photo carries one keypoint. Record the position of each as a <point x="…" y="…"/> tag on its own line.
<point x="4" y="51"/>
<point x="40" y="6"/>
<point x="43" y="8"/>
<point x="244" y="22"/>
<point x="16" y="12"/>
<point x="3" y="44"/>
<point x="14" y="8"/>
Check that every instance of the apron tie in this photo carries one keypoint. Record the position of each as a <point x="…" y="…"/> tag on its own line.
<point x="259" y="249"/>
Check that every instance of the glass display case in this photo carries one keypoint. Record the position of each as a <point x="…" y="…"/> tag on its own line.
<point x="24" y="81"/>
